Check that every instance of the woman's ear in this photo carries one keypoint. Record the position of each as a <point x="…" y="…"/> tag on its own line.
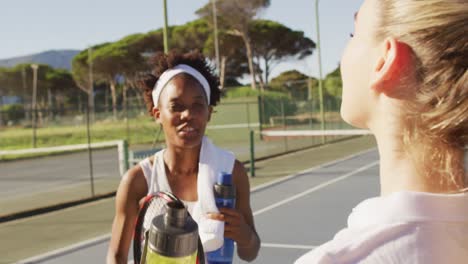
<point x="210" y="111"/>
<point x="391" y="67"/>
<point x="156" y="114"/>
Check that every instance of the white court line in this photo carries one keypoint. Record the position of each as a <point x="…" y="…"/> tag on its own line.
<point x="103" y="238"/>
<point x="313" y="189"/>
<point x="119" y="143"/>
<point x="61" y="148"/>
<point x="26" y="191"/>
<point x="272" y="245"/>
<point x="64" y="250"/>
<point x="299" y="133"/>
<point x="241" y="125"/>
<point x="286" y="178"/>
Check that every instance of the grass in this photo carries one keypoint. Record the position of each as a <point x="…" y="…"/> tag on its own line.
<point x="141" y="130"/>
<point x="138" y="130"/>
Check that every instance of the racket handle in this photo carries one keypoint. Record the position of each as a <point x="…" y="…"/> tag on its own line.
<point x="200" y="253"/>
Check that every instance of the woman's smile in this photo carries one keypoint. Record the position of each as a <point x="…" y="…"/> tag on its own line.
<point x="188" y="131"/>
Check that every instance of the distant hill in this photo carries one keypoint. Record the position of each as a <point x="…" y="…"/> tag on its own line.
<point x="55" y="58"/>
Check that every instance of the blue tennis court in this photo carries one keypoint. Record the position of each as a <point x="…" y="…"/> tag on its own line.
<point x="292" y="215"/>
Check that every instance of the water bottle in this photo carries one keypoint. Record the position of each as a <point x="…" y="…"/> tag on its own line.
<point x="225" y="197"/>
<point x="173" y="238"/>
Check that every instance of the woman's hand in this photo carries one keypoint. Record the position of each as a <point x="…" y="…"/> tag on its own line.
<point x="235" y="228"/>
<point x="239" y="222"/>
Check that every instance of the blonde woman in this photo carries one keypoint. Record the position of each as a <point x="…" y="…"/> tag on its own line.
<point x="405" y="78"/>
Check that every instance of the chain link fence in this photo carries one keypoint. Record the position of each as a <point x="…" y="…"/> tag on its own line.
<point x="38" y="182"/>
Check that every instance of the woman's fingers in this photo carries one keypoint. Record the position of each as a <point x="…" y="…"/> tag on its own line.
<point x="226" y="215"/>
<point x="216" y="216"/>
<point x="235" y="228"/>
<point x="229" y="212"/>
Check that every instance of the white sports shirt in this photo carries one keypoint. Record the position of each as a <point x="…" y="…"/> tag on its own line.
<point x="404" y="227"/>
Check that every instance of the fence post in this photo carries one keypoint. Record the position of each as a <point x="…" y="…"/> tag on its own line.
<point x="260" y="114"/>
<point x="283" y="116"/>
<point x="127" y="125"/>
<point x="248" y="116"/>
<point x="34" y="103"/>
<point x="252" y="154"/>
<point x="90" y="153"/>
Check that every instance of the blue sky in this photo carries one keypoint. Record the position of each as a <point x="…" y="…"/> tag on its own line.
<point x="29" y="26"/>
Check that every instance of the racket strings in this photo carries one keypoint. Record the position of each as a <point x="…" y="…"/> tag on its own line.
<point x="156" y="207"/>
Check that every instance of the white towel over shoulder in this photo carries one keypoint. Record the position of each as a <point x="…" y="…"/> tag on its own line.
<point x="213" y="160"/>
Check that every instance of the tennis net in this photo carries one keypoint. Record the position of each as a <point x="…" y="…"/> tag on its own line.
<point x="276" y="142"/>
<point x="64" y="174"/>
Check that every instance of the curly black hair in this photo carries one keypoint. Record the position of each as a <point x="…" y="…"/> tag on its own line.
<point x="163" y="62"/>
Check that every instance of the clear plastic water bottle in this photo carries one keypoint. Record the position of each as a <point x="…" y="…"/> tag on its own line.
<point x="225" y="196"/>
<point x="173" y="237"/>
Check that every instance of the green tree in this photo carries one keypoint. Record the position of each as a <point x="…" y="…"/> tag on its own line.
<point x="108" y="62"/>
<point x="137" y="47"/>
<point x="298" y="85"/>
<point x="124" y="61"/>
<point x="232" y="56"/>
<point x="140" y="48"/>
<point x="145" y="44"/>
<point x="8" y="84"/>
<point x="190" y="36"/>
<point x="235" y="16"/>
<point x="333" y="83"/>
<point x="62" y="87"/>
<point x="198" y="35"/>
<point x="19" y="79"/>
<point x="275" y="42"/>
<point x="53" y="86"/>
<point x="80" y="72"/>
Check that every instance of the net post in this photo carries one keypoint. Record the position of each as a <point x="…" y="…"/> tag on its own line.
<point x="122" y="147"/>
<point x="252" y="154"/>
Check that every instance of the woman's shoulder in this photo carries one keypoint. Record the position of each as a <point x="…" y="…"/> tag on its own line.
<point x="238" y="167"/>
<point x="240" y="177"/>
<point x="139" y="168"/>
<point x="147" y="162"/>
<point x="134" y="181"/>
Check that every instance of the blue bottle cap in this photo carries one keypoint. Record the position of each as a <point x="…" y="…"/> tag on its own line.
<point x="224" y="178"/>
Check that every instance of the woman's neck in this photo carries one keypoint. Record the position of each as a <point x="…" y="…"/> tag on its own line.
<point x="180" y="162"/>
<point x="400" y="172"/>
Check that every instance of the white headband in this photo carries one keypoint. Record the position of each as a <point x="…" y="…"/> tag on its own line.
<point x="170" y="73"/>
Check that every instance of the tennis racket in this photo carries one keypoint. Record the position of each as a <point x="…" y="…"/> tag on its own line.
<point x="154" y="205"/>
